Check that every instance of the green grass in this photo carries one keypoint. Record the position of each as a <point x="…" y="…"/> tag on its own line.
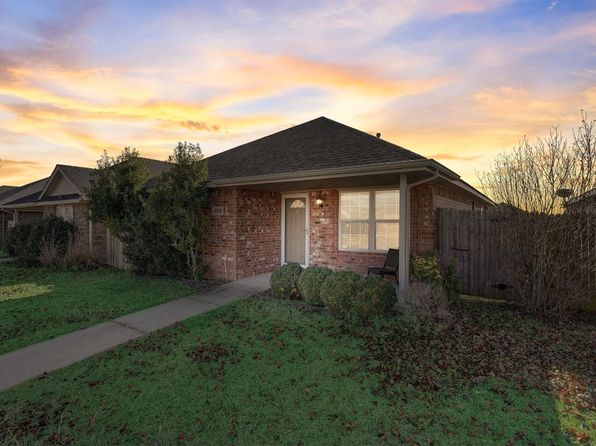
<point x="3" y="254"/>
<point x="37" y="304"/>
<point x="268" y="372"/>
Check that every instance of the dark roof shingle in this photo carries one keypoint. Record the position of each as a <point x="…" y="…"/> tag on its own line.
<point x="318" y="144"/>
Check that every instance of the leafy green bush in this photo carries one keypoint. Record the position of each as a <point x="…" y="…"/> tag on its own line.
<point x="25" y="241"/>
<point x="150" y="252"/>
<point x="51" y="228"/>
<point x="338" y="291"/>
<point x="429" y="270"/>
<point x="17" y="239"/>
<point x="426" y="269"/>
<point x="284" y="281"/>
<point x="311" y="282"/>
<point x="374" y="297"/>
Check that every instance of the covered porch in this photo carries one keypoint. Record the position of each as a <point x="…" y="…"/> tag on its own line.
<point x="257" y="225"/>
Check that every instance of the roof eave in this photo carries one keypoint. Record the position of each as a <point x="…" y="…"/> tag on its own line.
<point x="336" y="172"/>
<point x="41" y="203"/>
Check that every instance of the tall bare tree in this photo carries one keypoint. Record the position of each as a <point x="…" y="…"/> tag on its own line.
<point x="546" y="190"/>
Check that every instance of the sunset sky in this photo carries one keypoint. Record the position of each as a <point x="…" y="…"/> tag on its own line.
<point x="458" y="80"/>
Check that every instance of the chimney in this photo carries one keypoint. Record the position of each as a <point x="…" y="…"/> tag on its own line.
<point x="378" y="135"/>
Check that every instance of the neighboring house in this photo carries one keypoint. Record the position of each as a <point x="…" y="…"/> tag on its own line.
<point x="318" y="193"/>
<point x="327" y="194"/>
<point x="5" y="217"/>
<point x="63" y="194"/>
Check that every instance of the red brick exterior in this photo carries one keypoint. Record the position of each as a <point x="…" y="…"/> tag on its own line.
<point x="243" y="233"/>
<point x="244" y="229"/>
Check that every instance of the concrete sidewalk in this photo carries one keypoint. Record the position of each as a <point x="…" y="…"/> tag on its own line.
<point x="29" y="362"/>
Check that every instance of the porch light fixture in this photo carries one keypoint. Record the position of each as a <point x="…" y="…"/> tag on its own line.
<point x="319" y="200"/>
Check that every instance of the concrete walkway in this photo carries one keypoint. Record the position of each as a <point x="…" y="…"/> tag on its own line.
<point x="29" y="362"/>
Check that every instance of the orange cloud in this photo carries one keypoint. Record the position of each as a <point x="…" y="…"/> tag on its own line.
<point x="12" y="172"/>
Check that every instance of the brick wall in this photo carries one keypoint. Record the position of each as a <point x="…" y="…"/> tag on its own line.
<point x="243" y="230"/>
<point x="259" y="232"/>
<point x="243" y="233"/>
<point x="422" y="219"/>
<point x="220" y="246"/>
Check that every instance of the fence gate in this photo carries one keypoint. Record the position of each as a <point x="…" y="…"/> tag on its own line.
<point x="474" y="239"/>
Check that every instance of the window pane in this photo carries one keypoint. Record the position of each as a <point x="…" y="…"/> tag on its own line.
<point x="354" y="205"/>
<point x="387" y="236"/>
<point x="354" y="235"/>
<point x="387" y="205"/>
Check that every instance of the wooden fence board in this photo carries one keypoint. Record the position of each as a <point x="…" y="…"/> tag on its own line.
<point x="474" y="239"/>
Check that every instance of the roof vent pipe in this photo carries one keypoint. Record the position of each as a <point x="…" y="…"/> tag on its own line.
<point x="378" y="136"/>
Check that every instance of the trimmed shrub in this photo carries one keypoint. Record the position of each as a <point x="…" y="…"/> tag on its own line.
<point x="311" y="282"/>
<point x="338" y="291"/>
<point x="284" y="281"/>
<point x="374" y="297"/>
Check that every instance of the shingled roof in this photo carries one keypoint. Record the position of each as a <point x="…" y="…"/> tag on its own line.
<point x="5" y="191"/>
<point x="318" y="144"/>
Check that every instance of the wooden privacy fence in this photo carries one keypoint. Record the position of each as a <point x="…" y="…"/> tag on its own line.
<point x="115" y="256"/>
<point x="475" y="240"/>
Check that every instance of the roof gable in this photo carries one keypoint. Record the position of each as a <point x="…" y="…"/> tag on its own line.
<point x="65" y="181"/>
<point x="318" y="144"/>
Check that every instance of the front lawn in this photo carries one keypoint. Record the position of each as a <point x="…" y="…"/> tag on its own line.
<point x="37" y="304"/>
<point x="262" y="372"/>
<point x="3" y="254"/>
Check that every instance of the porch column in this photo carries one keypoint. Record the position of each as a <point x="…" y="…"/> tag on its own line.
<point x="404" y="237"/>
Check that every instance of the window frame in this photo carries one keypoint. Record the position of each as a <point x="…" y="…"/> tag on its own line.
<point x="372" y="219"/>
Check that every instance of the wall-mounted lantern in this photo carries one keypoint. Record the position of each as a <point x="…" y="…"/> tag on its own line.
<point x="319" y="200"/>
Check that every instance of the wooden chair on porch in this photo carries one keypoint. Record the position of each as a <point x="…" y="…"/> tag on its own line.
<point x="390" y="267"/>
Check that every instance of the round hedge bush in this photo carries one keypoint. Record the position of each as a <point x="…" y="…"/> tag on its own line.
<point x="373" y="298"/>
<point x="284" y="281"/>
<point x="311" y="282"/>
<point x="338" y="291"/>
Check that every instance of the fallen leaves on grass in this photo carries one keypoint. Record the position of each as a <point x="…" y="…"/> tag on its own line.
<point x="479" y="344"/>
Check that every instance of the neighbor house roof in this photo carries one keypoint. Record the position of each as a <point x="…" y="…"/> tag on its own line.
<point x="5" y="191"/>
<point x="318" y="144"/>
<point x="28" y="191"/>
<point x="35" y="193"/>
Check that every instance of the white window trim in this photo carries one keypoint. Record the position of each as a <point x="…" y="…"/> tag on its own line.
<point x="372" y="220"/>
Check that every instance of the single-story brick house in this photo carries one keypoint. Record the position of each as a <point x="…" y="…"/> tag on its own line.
<point x="317" y="193"/>
<point x="327" y="194"/>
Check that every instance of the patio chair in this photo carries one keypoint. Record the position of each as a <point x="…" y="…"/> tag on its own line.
<point x="390" y="267"/>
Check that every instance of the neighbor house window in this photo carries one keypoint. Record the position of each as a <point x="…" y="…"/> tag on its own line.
<point x="65" y="211"/>
<point x="369" y="221"/>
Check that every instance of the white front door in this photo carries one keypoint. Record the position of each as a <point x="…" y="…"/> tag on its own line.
<point x="295" y="212"/>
